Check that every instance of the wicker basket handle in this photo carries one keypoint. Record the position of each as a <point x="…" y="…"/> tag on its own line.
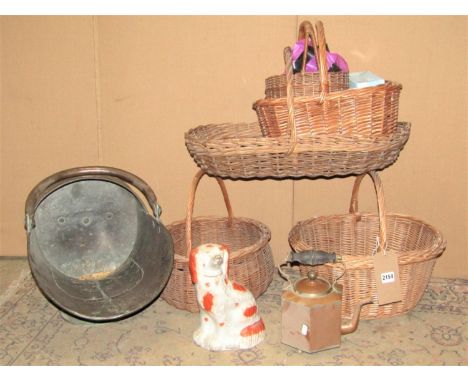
<point x="353" y="207"/>
<point x="317" y="36"/>
<point x="320" y="46"/>
<point x="290" y="100"/>
<point x="319" y="43"/>
<point x="191" y="202"/>
<point x="306" y="30"/>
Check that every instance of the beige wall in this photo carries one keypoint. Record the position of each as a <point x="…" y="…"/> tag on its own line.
<point x="121" y="91"/>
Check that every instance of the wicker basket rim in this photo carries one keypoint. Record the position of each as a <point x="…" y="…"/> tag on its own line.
<point x="191" y="134"/>
<point x="389" y="85"/>
<point x="306" y="74"/>
<point x="221" y="146"/>
<point x="372" y="215"/>
<point x="404" y="257"/>
<point x="265" y="233"/>
<point x="438" y="245"/>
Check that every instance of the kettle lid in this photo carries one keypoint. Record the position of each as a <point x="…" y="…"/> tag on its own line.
<point x="312" y="286"/>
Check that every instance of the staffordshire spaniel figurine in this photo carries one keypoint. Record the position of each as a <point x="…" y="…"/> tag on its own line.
<point x="229" y="316"/>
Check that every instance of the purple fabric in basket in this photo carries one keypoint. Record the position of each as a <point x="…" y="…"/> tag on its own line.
<point x="311" y="66"/>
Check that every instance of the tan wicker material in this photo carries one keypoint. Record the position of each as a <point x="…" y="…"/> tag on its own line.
<point x="304" y="84"/>
<point x="353" y="236"/>
<point x="250" y="260"/>
<point x="239" y="151"/>
<point x="359" y="112"/>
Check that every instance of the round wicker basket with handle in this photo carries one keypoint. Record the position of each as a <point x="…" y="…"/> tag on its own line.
<point x="354" y="236"/>
<point x="304" y="83"/>
<point x="358" y="112"/>
<point x="250" y="259"/>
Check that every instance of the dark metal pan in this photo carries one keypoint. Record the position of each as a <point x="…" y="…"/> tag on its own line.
<point x="94" y="249"/>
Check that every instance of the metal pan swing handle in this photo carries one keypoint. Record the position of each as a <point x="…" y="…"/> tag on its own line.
<point x="43" y="188"/>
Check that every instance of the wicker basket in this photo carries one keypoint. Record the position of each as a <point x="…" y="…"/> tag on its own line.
<point x="239" y="151"/>
<point x="358" y="112"/>
<point x="303" y="83"/>
<point x="353" y="236"/>
<point x="250" y="260"/>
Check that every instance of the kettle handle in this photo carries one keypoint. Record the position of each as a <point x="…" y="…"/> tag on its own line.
<point x="43" y="188"/>
<point x="314" y="257"/>
<point x="283" y="274"/>
<point x="310" y="257"/>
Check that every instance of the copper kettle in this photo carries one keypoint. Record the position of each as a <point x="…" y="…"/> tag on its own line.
<point x="311" y="308"/>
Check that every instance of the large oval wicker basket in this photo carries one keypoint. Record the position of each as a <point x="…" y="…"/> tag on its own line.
<point x="239" y="151"/>
<point x="359" y="112"/>
<point x="304" y="83"/>
<point x="250" y="259"/>
<point x="353" y="236"/>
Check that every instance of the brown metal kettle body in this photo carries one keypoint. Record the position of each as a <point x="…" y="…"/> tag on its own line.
<point x="311" y="311"/>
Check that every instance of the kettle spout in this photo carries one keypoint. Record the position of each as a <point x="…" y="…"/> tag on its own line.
<point x="351" y="326"/>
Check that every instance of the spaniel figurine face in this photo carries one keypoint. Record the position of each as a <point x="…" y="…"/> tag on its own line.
<point x="229" y="316"/>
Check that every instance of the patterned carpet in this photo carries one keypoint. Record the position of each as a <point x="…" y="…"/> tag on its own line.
<point x="33" y="332"/>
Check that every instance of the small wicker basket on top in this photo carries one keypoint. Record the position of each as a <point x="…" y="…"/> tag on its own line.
<point x="304" y="83"/>
<point x="353" y="236"/>
<point x="249" y="151"/>
<point x="371" y="111"/>
<point x="250" y="259"/>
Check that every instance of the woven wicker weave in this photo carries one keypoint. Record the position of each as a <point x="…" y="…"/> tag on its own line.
<point x="360" y="112"/>
<point x="353" y="236"/>
<point x="239" y="151"/>
<point x="304" y="84"/>
<point x="250" y="259"/>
